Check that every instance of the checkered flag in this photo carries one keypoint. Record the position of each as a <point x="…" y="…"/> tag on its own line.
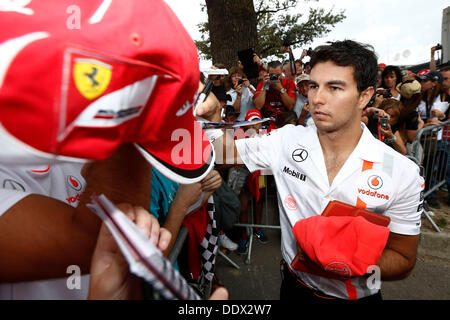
<point x="209" y="245"/>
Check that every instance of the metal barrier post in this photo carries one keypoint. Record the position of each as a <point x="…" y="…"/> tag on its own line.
<point x="431" y="154"/>
<point x="251" y="225"/>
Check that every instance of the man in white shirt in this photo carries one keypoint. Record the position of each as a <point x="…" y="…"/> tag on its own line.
<point x="337" y="159"/>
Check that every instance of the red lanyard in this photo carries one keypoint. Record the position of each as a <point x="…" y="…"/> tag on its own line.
<point x="380" y="136"/>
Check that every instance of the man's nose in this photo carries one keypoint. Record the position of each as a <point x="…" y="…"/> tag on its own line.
<point x="317" y="96"/>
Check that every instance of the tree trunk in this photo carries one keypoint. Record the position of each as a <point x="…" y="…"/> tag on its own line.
<point x="232" y="27"/>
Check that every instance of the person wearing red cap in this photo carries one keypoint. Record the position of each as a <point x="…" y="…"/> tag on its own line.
<point x="337" y="159"/>
<point x="97" y="107"/>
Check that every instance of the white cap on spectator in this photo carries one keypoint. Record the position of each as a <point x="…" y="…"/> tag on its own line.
<point x="302" y="77"/>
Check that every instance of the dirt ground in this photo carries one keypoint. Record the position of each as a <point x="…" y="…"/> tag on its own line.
<point x="441" y="216"/>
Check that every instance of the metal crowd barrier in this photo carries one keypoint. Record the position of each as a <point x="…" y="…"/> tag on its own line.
<point x="430" y="151"/>
<point x="251" y="225"/>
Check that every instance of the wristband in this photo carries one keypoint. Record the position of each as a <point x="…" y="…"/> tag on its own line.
<point x="391" y="140"/>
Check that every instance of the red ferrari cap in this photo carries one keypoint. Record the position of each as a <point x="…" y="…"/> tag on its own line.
<point x="253" y="114"/>
<point x="423" y="72"/>
<point x="79" y="78"/>
<point x="346" y="246"/>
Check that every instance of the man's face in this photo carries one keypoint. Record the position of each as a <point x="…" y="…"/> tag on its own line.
<point x="299" y="67"/>
<point x="334" y="100"/>
<point x="446" y="83"/>
<point x="426" y="85"/>
<point x="276" y="71"/>
<point x="303" y="87"/>
<point x="287" y="72"/>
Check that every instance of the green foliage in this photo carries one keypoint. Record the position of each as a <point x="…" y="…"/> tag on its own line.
<point x="274" y="24"/>
<point x="442" y="222"/>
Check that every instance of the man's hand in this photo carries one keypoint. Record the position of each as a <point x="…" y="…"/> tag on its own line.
<point x="188" y="194"/>
<point x="212" y="182"/>
<point x="276" y="85"/>
<point x="433" y="121"/>
<point x="110" y="277"/>
<point x="238" y="89"/>
<point x="219" y="294"/>
<point x="257" y="60"/>
<point x="304" y="54"/>
<point x="210" y="108"/>
<point x="305" y="109"/>
<point x="378" y="112"/>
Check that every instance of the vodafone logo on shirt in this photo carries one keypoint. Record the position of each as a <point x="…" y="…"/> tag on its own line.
<point x="374" y="188"/>
<point x="74" y="183"/>
<point x="290" y="202"/>
<point x="375" y="182"/>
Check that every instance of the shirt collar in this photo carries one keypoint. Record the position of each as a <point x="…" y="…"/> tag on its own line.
<point x="367" y="148"/>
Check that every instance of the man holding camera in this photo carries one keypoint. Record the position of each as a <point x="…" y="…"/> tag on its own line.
<point x="274" y="95"/>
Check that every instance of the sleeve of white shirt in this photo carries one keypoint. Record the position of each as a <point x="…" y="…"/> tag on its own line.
<point x="259" y="153"/>
<point x="407" y="208"/>
<point x="441" y="106"/>
<point x="249" y="95"/>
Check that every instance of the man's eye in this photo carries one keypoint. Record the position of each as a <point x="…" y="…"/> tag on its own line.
<point x="336" y="88"/>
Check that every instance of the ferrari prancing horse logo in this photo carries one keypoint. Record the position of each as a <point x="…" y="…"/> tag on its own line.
<point x="91" y="77"/>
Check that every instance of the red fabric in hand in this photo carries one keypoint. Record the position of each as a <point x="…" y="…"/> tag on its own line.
<point x="346" y="246"/>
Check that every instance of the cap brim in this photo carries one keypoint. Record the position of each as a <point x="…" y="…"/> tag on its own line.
<point x="183" y="173"/>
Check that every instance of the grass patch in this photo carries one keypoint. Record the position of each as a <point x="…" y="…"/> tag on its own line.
<point x="442" y="222"/>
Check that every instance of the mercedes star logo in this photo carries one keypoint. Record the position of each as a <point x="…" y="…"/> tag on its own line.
<point x="299" y="155"/>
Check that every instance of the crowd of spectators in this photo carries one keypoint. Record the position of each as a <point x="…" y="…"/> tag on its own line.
<point x="404" y="102"/>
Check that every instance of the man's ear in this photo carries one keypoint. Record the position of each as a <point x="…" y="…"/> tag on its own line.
<point x="365" y="97"/>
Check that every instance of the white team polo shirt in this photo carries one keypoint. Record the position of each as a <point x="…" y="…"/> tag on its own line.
<point x="374" y="176"/>
<point x="62" y="181"/>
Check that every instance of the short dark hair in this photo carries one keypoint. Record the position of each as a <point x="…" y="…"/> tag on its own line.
<point x="445" y="69"/>
<point x="274" y="64"/>
<point x="388" y="70"/>
<point x="286" y="117"/>
<point x="346" y="53"/>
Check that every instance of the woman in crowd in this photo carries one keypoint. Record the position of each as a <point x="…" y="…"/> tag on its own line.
<point x="390" y="78"/>
<point x="241" y="92"/>
<point x="390" y="109"/>
<point x="431" y="83"/>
